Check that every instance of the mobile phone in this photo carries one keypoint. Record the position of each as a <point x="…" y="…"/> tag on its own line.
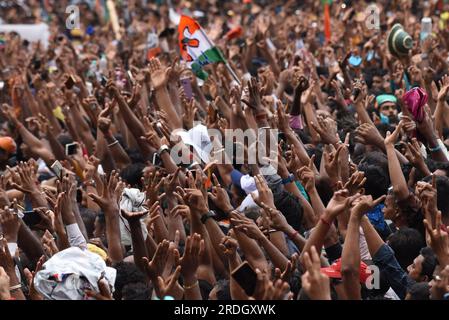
<point x="187" y="86"/>
<point x="70" y="82"/>
<point x="90" y="87"/>
<point x="156" y="160"/>
<point x="31" y="218"/>
<point x="130" y="76"/>
<point x="57" y="169"/>
<point x="104" y="81"/>
<point x="246" y="277"/>
<point x="71" y="148"/>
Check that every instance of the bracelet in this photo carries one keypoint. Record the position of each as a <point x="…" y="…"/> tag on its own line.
<point x="113" y="143"/>
<point x="163" y="148"/>
<point x="325" y="222"/>
<point x="17" y="286"/>
<point x="437" y="148"/>
<point x="192" y="286"/>
<point x="289" y="179"/>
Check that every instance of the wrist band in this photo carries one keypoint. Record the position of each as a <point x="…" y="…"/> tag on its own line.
<point x="17" y="286"/>
<point x="113" y="143"/>
<point x="192" y="286"/>
<point x="289" y="179"/>
<point x="325" y="222"/>
<point x="437" y="148"/>
<point x="163" y="148"/>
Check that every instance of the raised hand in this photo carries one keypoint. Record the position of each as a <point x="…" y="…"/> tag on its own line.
<point x="190" y="110"/>
<point x="104" y="291"/>
<point x="220" y="197"/>
<point x="193" y="252"/>
<point x="10" y="223"/>
<point x="277" y="219"/>
<point x="391" y="138"/>
<point x="438" y="239"/>
<point x="159" y="75"/>
<point x="133" y="216"/>
<point x="108" y="200"/>
<point x="307" y="175"/>
<point x="49" y="244"/>
<point x="265" y="194"/>
<point x="194" y="198"/>
<point x="167" y="287"/>
<point x="444" y="88"/>
<point x="361" y="205"/>
<point x="4" y="285"/>
<point x="327" y="129"/>
<point x="254" y="100"/>
<point x="24" y="178"/>
<point x="267" y="290"/>
<point x="155" y="267"/>
<point x="248" y="227"/>
<point x="339" y="203"/>
<point x="355" y="183"/>
<point x="289" y="269"/>
<point x="314" y="283"/>
<point x="367" y="133"/>
<point x="33" y="293"/>
<point x="331" y="163"/>
<point x="229" y="246"/>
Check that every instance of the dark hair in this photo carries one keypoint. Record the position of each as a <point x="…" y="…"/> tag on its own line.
<point x="377" y="179"/>
<point x="64" y="139"/>
<point x="429" y="263"/>
<point x="406" y="244"/>
<point x="127" y="273"/>
<point x="136" y="291"/>
<point x="88" y="216"/>
<point x="132" y="174"/>
<point x="442" y="192"/>
<point x="290" y="207"/>
<point x="419" y="291"/>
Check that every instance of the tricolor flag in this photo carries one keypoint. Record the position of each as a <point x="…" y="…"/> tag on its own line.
<point x="196" y="48"/>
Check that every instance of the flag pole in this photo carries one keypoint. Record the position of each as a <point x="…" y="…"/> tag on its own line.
<point x="231" y="71"/>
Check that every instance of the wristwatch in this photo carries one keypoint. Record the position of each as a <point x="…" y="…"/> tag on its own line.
<point x="210" y="214"/>
<point x="163" y="148"/>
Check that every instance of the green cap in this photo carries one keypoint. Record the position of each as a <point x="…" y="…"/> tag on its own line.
<point x="381" y="99"/>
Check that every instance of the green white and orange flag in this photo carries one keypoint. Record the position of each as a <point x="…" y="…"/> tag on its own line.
<point x="196" y="48"/>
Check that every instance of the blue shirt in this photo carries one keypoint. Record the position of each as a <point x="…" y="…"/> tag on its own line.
<point x="399" y="280"/>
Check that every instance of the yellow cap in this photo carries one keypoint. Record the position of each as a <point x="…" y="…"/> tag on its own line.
<point x="95" y="249"/>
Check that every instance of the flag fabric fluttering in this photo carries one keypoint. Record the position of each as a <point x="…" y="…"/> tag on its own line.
<point x="196" y="48"/>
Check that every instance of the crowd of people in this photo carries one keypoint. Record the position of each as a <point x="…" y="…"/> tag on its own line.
<point x="95" y="204"/>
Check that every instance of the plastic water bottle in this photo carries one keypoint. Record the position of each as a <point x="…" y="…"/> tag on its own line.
<point x="93" y="69"/>
<point x="103" y="65"/>
<point x="426" y="28"/>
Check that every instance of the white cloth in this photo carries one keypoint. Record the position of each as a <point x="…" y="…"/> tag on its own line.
<point x="198" y="138"/>
<point x="391" y="295"/>
<point x="75" y="236"/>
<point x="67" y="274"/>
<point x="247" y="203"/>
<point x="132" y="200"/>
<point x="364" y="251"/>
